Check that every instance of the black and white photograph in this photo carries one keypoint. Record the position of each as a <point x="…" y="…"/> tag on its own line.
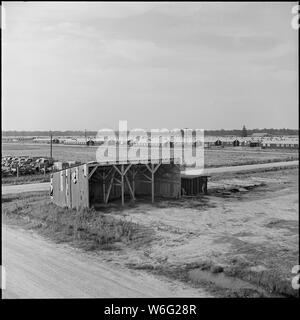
<point x="150" y="150"/>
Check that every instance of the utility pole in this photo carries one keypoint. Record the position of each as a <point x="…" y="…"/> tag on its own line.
<point x="85" y="136"/>
<point x="50" y="144"/>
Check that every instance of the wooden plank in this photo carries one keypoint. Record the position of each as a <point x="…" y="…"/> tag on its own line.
<point x="128" y="167"/>
<point x="118" y="181"/>
<point x="129" y="187"/>
<point x="147" y="166"/>
<point x="109" y="172"/>
<point x="92" y="172"/>
<point x="152" y="182"/>
<point x="152" y="186"/>
<point x="103" y="185"/>
<point x="122" y="183"/>
<point x="147" y="177"/>
<point x="117" y="169"/>
<point x="109" y="187"/>
<point x="145" y="181"/>
<point x="134" y="173"/>
<point x="155" y="168"/>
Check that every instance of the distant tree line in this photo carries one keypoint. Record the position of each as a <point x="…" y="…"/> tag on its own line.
<point x="248" y="132"/>
<point x="47" y="133"/>
<point x="221" y="132"/>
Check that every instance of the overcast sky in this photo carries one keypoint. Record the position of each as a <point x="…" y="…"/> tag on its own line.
<point x="158" y="65"/>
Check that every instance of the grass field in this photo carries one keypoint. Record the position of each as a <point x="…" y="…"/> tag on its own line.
<point x="234" y="243"/>
<point x="212" y="157"/>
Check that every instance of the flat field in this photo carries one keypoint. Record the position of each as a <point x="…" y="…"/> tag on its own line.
<point x="212" y="157"/>
<point x="234" y="234"/>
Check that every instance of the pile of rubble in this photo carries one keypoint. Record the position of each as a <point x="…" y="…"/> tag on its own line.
<point x="13" y="166"/>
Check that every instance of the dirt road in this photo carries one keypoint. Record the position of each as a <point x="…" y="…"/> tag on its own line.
<point x="249" y="167"/>
<point x="28" y="187"/>
<point x="37" y="268"/>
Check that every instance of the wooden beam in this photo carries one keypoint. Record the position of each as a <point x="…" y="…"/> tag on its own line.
<point x="147" y="166"/>
<point x="92" y="172"/>
<point x="122" y="172"/>
<point x="103" y="185"/>
<point x="129" y="187"/>
<point x="134" y="173"/>
<point x="153" y="168"/>
<point x="145" y="181"/>
<point x="157" y="167"/>
<point x="97" y="175"/>
<point x="118" y="181"/>
<point x="128" y="167"/>
<point x="117" y="169"/>
<point x="152" y="184"/>
<point x="147" y="177"/>
<point x="109" y="187"/>
<point x="105" y="175"/>
<point x="122" y="183"/>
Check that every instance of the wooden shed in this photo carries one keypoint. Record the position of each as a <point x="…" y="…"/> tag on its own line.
<point x="236" y="143"/>
<point x="192" y="185"/>
<point x="218" y="143"/>
<point x="95" y="183"/>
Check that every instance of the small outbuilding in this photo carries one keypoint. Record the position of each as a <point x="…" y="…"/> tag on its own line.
<point x="194" y="185"/>
<point x="95" y="183"/>
<point x="236" y="143"/>
<point x="90" y="143"/>
<point x="254" y="144"/>
<point x="218" y="143"/>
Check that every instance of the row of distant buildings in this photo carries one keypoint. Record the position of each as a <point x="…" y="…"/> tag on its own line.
<point x="258" y="140"/>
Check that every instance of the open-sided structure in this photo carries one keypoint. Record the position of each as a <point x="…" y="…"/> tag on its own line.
<point x="95" y="183"/>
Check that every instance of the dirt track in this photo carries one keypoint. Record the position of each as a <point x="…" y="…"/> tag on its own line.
<point x="249" y="167"/>
<point x="28" y="187"/>
<point x="37" y="268"/>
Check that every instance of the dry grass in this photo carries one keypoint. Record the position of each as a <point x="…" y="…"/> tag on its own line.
<point x="86" y="228"/>
<point x="230" y="157"/>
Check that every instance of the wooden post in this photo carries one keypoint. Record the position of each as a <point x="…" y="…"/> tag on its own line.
<point x="17" y="171"/>
<point x="133" y="181"/>
<point x="122" y="173"/>
<point x="122" y="183"/>
<point x="152" y="170"/>
<point x="109" y="187"/>
<point x="103" y="185"/>
<point x="152" y="182"/>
